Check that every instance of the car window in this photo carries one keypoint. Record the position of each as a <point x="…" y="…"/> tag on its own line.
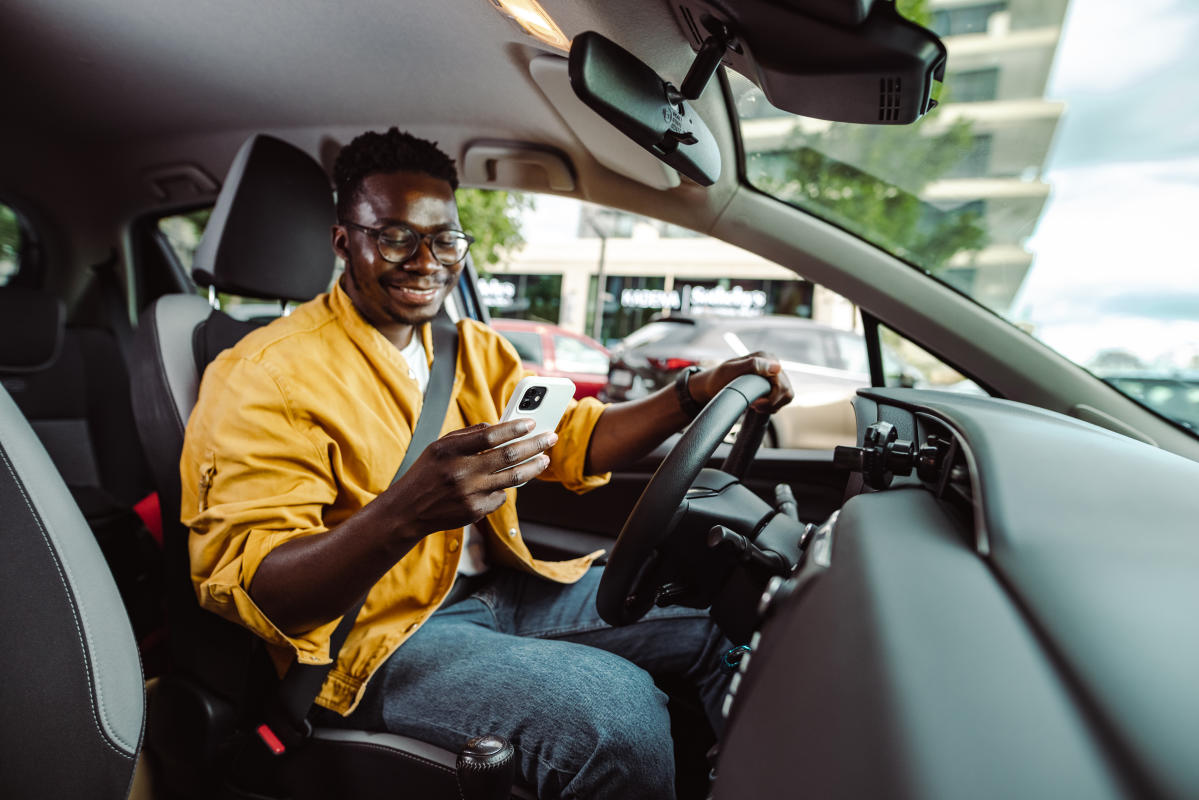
<point x="573" y="355"/>
<point x="17" y="249"/>
<point x="660" y="333"/>
<point x="527" y="344"/>
<point x="802" y="344"/>
<point x="183" y="232"/>
<point x="851" y="353"/>
<point x="908" y="365"/>
<point x="1053" y="185"/>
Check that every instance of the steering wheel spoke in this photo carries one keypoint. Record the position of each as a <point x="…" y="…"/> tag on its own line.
<point x="630" y="582"/>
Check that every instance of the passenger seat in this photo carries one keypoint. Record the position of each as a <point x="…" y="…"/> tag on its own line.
<point x="72" y="385"/>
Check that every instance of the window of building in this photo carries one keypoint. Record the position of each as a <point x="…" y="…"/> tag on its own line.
<point x="965" y="19"/>
<point x="975" y="160"/>
<point x="973" y="85"/>
<point x="532" y="297"/>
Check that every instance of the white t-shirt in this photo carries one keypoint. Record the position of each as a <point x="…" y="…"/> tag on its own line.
<point x="474" y="549"/>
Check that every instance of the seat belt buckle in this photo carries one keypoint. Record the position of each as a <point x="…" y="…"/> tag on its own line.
<point x="272" y="741"/>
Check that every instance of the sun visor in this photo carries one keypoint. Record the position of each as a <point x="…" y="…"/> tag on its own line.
<point x="608" y="145"/>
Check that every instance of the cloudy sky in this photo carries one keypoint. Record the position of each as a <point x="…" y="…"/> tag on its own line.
<point x="1117" y="249"/>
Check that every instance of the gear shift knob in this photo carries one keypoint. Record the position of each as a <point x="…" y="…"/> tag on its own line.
<point x="486" y="768"/>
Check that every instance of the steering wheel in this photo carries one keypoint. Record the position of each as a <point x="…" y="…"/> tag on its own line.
<point x="626" y="592"/>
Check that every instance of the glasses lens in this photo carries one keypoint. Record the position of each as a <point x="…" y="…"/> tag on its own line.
<point x="449" y="247"/>
<point x="397" y="244"/>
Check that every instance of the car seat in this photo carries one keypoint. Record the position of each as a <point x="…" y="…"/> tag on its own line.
<point x="72" y="698"/>
<point x="72" y="386"/>
<point x="268" y="237"/>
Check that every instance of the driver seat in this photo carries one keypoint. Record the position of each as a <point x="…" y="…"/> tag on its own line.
<point x="267" y="238"/>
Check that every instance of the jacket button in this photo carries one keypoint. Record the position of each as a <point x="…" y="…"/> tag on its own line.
<point x="512" y="531"/>
<point x="453" y="545"/>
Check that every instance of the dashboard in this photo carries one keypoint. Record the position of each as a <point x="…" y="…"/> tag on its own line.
<point x="1015" y="618"/>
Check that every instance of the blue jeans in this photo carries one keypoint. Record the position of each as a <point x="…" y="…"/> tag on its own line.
<point x="532" y="660"/>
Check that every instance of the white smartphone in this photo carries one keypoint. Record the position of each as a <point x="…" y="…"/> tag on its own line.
<point x="542" y="400"/>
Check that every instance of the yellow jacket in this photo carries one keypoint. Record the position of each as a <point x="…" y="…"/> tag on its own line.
<point x="302" y="424"/>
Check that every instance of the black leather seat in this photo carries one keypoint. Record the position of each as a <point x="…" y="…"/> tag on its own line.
<point x="72" y="386"/>
<point x="268" y="237"/>
<point x="72" y="695"/>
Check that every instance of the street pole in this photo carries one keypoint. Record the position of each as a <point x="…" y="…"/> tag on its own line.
<point x="597" y="322"/>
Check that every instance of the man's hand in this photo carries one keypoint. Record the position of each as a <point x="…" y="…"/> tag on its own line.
<point x="705" y="385"/>
<point x="461" y="477"/>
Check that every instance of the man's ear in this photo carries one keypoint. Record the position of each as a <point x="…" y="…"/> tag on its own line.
<point x="340" y="241"/>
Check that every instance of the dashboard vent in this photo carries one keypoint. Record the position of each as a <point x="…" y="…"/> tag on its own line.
<point x="888" y="99"/>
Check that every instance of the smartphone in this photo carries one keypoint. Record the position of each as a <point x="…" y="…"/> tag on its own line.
<point x="542" y="400"/>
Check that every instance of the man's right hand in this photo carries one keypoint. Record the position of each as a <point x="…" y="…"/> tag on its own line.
<point x="461" y="477"/>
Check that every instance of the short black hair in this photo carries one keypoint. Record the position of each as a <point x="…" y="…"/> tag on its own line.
<point x="372" y="153"/>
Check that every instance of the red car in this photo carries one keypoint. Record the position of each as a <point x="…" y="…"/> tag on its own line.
<point x="556" y="352"/>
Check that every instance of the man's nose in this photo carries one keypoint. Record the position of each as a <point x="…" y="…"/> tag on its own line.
<point x="422" y="260"/>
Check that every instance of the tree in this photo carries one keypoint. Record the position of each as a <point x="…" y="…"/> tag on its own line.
<point x="493" y="218"/>
<point x="838" y="172"/>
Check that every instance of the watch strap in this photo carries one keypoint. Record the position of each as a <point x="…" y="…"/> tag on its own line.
<point x="683" y="391"/>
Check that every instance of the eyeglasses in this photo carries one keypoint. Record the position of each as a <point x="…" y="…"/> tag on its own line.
<point x="398" y="243"/>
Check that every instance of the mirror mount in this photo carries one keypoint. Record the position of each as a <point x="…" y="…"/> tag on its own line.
<point x="710" y="55"/>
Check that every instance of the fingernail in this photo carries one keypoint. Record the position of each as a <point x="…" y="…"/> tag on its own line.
<point x="545" y="460"/>
<point x="551" y="440"/>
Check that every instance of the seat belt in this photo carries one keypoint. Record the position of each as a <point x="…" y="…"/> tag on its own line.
<point x="287" y="722"/>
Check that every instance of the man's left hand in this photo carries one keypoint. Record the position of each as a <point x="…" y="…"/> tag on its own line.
<point x="705" y="385"/>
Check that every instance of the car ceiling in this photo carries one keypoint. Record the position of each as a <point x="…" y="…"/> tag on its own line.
<point x="146" y="72"/>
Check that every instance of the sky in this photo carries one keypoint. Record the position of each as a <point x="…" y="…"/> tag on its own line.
<point x="1117" y="249"/>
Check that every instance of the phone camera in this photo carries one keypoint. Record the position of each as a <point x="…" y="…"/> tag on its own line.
<point x="532" y="398"/>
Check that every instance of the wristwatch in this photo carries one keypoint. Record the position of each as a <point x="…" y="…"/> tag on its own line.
<point x="686" y="401"/>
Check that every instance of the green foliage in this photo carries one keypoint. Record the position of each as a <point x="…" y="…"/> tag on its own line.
<point x="834" y="173"/>
<point x="493" y="218"/>
<point x="10" y="243"/>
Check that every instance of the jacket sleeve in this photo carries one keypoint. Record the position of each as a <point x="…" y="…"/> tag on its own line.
<point x="252" y="479"/>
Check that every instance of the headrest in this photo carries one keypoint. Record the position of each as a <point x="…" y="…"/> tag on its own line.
<point x="31" y="329"/>
<point x="268" y="235"/>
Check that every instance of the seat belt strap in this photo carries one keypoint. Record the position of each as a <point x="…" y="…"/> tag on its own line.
<point x="302" y="683"/>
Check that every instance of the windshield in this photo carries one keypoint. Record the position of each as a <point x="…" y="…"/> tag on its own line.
<point x="1055" y="184"/>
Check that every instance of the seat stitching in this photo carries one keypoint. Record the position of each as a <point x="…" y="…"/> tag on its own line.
<point x="97" y="692"/>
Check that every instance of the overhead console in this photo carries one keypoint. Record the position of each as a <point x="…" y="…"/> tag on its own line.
<point x="1003" y="607"/>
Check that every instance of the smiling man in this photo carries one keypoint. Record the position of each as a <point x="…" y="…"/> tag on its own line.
<point x="286" y="469"/>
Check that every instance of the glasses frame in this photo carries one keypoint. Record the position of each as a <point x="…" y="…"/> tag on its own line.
<point x="425" y="239"/>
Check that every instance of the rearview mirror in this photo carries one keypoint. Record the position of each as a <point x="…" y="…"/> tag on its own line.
<point x="626" y="92"/>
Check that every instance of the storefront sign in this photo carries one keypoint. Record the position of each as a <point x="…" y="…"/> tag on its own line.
<point x="497" y="293"/>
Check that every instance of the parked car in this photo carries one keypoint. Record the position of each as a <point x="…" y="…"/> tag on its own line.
<point x="826" y="366"/>
<point x="555" y="352"/>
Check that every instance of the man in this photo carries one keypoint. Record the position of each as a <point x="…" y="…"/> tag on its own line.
<point x="295" y="437"/>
